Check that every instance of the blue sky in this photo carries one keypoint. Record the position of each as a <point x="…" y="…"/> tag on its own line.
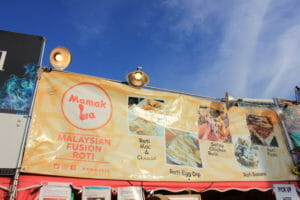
<point x="249" y="48"/>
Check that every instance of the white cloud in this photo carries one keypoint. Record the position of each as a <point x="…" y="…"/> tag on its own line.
<point x="286" y="68"/>
<point x="258" y="53"/>
<point x="188" y="17"/>
<point x="248" y="48"/>
<point x="238" y="48"/>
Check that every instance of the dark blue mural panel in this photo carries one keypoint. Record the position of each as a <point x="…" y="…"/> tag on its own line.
<point x="20" y="56"/>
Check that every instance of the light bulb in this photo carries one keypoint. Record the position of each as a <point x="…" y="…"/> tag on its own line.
<point x="138" y="76"/>
<point x="58" y="57"/>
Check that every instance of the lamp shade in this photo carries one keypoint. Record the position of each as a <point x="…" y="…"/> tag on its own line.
<point x="60" y="58"/>
<point x="229" y="100"/>
<point x="137" y="78"/>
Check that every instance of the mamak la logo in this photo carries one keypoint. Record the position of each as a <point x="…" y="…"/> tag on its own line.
<point x="87" y="106"/>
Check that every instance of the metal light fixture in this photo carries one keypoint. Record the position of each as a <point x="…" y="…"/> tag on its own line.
<point x="230" y="100"/>
<point x="137" y="78"/>
<point x="60" y="58"/>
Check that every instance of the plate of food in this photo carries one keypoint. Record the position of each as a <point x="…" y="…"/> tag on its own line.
<point x="182" y="149"/>
<point x="261" y="129"/>
<point x="149" y="109"/>
<point x="141" y="126"/>
<point x="213" y="125"/>
<point x="246" y="154"/>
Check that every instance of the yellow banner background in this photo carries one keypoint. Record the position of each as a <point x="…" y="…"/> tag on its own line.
<point x="90" y="127"/>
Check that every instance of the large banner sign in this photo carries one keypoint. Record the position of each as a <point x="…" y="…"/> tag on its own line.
<point x="90" y="127"/>
<point x="19" y="56"/>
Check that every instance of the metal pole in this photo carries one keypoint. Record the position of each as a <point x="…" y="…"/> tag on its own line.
<point x="288" y="140"/>
<point x="263" y="101"/>
<point x="13" y="188"/>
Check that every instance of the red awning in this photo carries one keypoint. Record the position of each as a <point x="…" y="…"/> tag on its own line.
<point x="28" y="183"/>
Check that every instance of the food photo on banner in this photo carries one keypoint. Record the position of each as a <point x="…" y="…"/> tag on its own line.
<point x="213" y="124"/>
<point x="94" y="127"/>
